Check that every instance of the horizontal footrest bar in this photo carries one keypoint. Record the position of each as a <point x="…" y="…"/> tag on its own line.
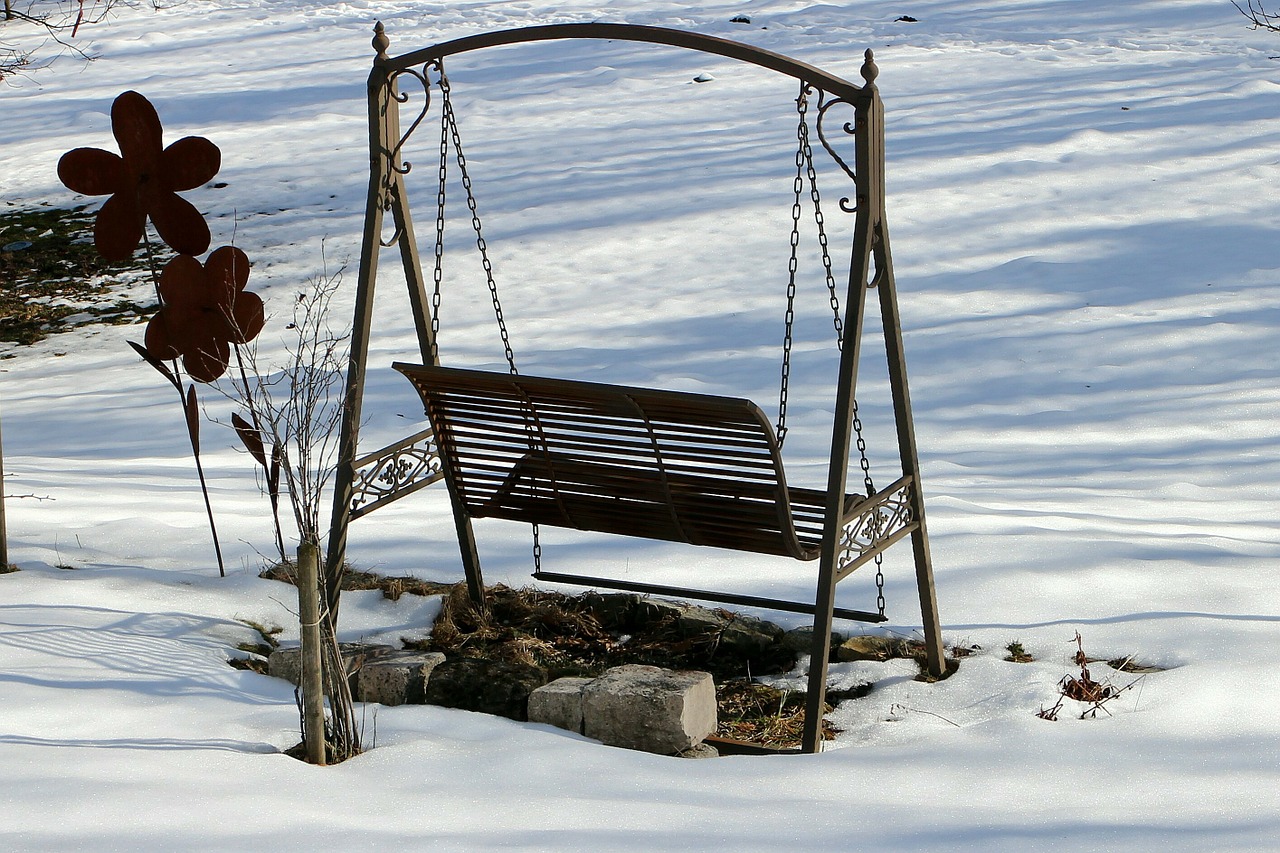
<point x="707" y="595"/>
<point x="729" y="746"/>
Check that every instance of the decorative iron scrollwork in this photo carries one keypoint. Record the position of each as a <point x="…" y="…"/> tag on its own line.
<point x="879" y="518"/>
<point x="394" y="164"/>
<point x="393" y="472"/>
<point x="849" y="128"/>
<point x="403" y="98"/>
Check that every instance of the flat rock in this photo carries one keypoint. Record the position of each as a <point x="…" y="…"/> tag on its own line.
<point x="397" y="678"/>
<point x="749" y="636"/>
<point x="700" y="750"/>
<point x="867" y="648"/>
<point x="650" y="709"/>
<point x="800" y="640"/>
<point x="615" y="610"/>
<point x="559" y="703"/>
<point x="286" y="661"/>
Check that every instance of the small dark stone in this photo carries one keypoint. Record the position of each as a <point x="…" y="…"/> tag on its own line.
<point x="487" y="686"/>
<point x="740" y="19"/>
<point x="699" y="750"/>
<point x="907" y="19"/>
<point x="616" y="611"/>
<point x="749" y="636"/>
<point x="800" y="640"/>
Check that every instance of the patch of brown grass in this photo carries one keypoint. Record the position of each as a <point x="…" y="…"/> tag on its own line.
<point x="760" y="714"/>
<point x="580" y="635"/>
<point x="354" y="579"/>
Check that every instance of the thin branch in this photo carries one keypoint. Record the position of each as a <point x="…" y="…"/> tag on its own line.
<point x="298" y="408"/>
<point x="1259" y="17"/>
<point x="58" y="21"/>
<point x="897" y="707"/>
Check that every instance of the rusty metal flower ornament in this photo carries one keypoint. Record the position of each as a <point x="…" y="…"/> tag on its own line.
<point x="206" y="310"/>
<point x="143" y="181"/>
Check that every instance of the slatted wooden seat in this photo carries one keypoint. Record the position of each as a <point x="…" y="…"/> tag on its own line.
<point x="667" y="465"/>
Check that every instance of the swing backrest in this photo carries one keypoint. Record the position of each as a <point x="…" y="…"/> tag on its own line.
<point x="616" y="459"/>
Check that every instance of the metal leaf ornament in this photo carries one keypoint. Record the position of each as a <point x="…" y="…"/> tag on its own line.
<point x="143" y="181"/>
<point x="206" y="310"/>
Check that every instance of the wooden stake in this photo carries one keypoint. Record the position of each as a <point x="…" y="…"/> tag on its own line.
<point x="4" y="536"/>
<point x="312" y="681"/>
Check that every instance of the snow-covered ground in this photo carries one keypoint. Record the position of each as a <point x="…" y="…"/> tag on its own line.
<point x="1083" y="208"/>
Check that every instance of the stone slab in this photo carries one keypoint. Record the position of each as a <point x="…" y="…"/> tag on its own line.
<point x="286" y="661"/>
<point x="397" y="678"/>
<point x="650" y="709"/>
<point x="559" y="703"/>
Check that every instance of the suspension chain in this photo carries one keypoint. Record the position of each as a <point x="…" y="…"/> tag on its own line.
<point x="437" y="273"/>
<point x="452" y="123"/>
<point x="820" y="222"/>
<point x="870" y="486"/>
<point x="449" y="121"/>
<point x="806" y="169"/>
<point x="802" y="104"/>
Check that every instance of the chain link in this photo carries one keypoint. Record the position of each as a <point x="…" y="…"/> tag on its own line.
<point x="449" y="121"/>
<point x="805" y="169"/>
<point x="880" y="604"/>
<point x="537" y="550"/>
<point x="869" y="484"/>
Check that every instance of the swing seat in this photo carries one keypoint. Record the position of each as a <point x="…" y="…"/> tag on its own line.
<point x="668" y="465"/>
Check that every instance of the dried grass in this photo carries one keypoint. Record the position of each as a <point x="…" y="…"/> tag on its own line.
<point x="760" y="714"/>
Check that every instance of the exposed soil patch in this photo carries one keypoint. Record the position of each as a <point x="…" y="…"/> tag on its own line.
<point x="586" y="634"/>
<point x="560" y="635"/>
<point x="52" y="279"/>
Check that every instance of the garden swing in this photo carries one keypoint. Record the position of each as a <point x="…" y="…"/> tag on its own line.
<point x="676" y="466"/>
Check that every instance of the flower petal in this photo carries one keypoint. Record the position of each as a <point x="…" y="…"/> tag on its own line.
<point x="137" y="130"/>
<point x="92" y="171"/>
<point x="180" y="224"/>
<point x="249" y="317"/>
<point x="208" y="362"/>
<point x="188" y="163"/>
<point x="158" y="342"/>
<point x="119" y="227"/>
<point x="228" y="266"/>
<point x="181" y="282"/>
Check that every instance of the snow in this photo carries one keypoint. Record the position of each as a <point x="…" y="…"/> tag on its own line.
<point x="1081" y="197"/>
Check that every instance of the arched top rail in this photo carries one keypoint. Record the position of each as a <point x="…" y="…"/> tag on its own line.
<point x="829" y="83"/>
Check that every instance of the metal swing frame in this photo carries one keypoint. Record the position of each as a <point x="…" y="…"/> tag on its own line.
<point x="848" y="530"/>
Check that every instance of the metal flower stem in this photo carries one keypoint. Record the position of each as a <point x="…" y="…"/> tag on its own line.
<point x="187" y="401"/>
<point x="194" y="434"/>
